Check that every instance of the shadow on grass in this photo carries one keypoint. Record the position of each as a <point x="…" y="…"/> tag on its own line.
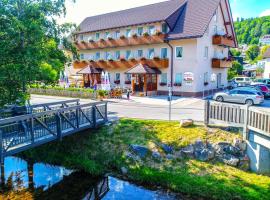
<point x="103" y="150"/>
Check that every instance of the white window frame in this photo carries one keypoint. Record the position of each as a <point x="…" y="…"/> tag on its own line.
<point x="149" y="53"/>
<point x="138" y="53"/>
<point x="138" y="30"/>
<point x="181" y="77"/>
<point x="166" y="52"/>
<point x="98" y="36"/>
<point x="182" y="52"/>
<point x="206" y="52"/>
<point x="117" y="32"/>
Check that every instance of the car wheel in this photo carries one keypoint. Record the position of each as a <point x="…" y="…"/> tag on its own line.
<point x="249" y="102"/>
<point x="219" y="99"/>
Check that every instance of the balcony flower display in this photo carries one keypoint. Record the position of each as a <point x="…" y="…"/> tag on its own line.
<point x="117" y="82"/>
<point x="127" y="82"/>
<point x="101" y="60"/>
<point x="177" y="84"/>
<point x="102" y="40"/>
<point x="91" y="41"/>
<point x="122" y="37"/>
<point x="146" y="34"/>
<point x="143" y="59"/>
<point x="110" y="38"/>
<point x="156" y="58"/>
<point x="111" y="60"/>
<point x="91" y="61"/>
<point x="158" y="32"/>
<point x="162" y="84"/>
<point x="134" y="35"/>
<point x="122" y="59"/>
<point x="132" y="59"/>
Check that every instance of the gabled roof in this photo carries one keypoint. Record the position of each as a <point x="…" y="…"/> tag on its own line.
<point x="90" y="70"/>
<point x="143" y="69"/>
<point x="186" y="18"/>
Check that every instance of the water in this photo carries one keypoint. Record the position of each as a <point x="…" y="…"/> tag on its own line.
<point x="43" y="181"/>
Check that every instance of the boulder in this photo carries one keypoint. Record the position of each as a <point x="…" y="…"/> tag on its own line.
<point x="241" y="144"/>
<point x="179" y="154"/>
<point x="170" y="157"/>
<point x="204" y="154"/>
<point x="124" y="170"/>
<point x="156" y="155"/>
<point x="186" y="122"/>
<point x="199" y="145"/>
<point x="166" y="148"/>
<point x="229" y="149"/>
<point x="244" y="163"/>
<point x="188" y="151"/>
<point x="141" y="151"/>
<point x="230" y="160"/>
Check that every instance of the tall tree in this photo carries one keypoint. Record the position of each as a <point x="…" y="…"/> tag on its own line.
<point x="29" y="51"/>
<point x="253" y="52"/>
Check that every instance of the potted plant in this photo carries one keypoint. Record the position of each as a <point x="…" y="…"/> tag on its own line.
<point x="101" y="94"/>
<point x="102" y="40"/>
<point x="127" y="82"/>
<point x="156" y="58"/>
<point x="146" y="34"/>
<point x="110" y="38"/>
<point x="91" y="41"/>
<point x="111" y="60"/>
<point x="101" y="60"/>
<point x="122" y="37"/>
<point x="206" y="83"/>
<point x="162" y="84"/>
<point x="135" y="35"/>
<point x="143" y="59"/>
<point x="117" y="82"/>
<point x="158" y="32"/>
<point x="122" y="59"/>
<point x="91" y="61"/>
<point x="177" y="84"/>
<point x="132" y="59"/>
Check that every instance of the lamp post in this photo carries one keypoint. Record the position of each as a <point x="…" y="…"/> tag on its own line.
<point x="170" y="101"/>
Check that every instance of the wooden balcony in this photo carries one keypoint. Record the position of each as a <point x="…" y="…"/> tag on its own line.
<point x="121" y="42"/>
<point x="123" y="64"/>
<point x="223" y="41"/>
<point x="221" y="63"/>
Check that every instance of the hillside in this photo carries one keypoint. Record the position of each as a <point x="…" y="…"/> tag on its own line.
<point x="250" y="30"/>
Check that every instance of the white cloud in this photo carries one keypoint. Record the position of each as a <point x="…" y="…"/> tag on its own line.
<point x="265" y="13"/>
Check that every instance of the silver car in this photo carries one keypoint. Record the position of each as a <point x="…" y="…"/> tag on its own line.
<point x="240" y="95"/>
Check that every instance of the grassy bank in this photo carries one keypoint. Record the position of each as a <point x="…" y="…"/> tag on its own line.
<point x="104" y="150"/>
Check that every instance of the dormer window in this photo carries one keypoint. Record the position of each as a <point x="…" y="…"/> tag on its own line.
<point x="117" y="34"/>
<point x="107" y="35"/>
<point x="165" y="28"/>
<point x="151" y="30"/>
<point x="128" y="33"/>
<point x="140" y="31"/>
<point x="97" y="36"/>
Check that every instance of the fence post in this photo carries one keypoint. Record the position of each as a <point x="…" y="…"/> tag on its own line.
<point x="245" y="126"/>
<point x="106" y="111"/>
<point x="59" y="126"/>
<point x="94" y="115"/>
<point x="77" y="118"/>
<point x="32" y="130"/>
<point x="206" y="112"/>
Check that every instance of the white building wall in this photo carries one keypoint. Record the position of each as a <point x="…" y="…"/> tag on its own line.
<point x="266" y="73"/>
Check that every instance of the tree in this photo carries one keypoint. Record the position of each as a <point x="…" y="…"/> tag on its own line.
<point x="29" y="51"/>
<point x="253" y="52"/>
<point x="235" y="52"/>
<point x="235" y="70"/>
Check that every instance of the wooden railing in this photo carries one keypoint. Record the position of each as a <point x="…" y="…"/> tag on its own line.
<point x="248" y="118"/>
<point x="27" y="131"/>
<point x="220" y="63"/>
<point x="223" y="41"/>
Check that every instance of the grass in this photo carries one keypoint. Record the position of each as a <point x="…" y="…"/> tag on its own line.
<point x="104" y="150"/>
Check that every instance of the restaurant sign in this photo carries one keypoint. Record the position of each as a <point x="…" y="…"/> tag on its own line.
<point x="188" y="76"/>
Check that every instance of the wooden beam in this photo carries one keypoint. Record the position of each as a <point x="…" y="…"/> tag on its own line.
<point x="227" y="23"/>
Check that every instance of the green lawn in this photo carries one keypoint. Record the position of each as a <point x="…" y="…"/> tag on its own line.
<point x="103" y="150"/>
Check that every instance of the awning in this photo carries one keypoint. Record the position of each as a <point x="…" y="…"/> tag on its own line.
<point x="90" y="70"/>
<point x="143" y="69"/>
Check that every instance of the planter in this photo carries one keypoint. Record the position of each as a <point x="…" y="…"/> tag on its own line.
<point x="127" y="82"/>
<point x="122" y="59"/>
<point x="110" y="38"/>
<point x="102" y="40"/>
<point x="177" y="84"/>
<point x="158" y="33"/>
<point x="117" y="82"/>
<point x="91" y="41"/>
<point x="132" y="59"/>
<point x="162" y="84"/>
<point x="156" y="58"/>
<point x="122" y="37"/>
<point x="135" y="36"/>
<point x="146" y="34"/>
<point x="206" y="83"/>
<point x="111" y="60"/>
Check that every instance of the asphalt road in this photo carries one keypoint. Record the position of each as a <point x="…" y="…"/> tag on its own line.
<point x="147" y="108"/>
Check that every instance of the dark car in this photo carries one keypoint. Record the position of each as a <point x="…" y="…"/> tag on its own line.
<point x="262" y="88"/>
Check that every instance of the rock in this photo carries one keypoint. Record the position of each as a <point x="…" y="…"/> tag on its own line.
<point x="229" y="149"/>
<point x="124" y="170"/>
<point x="188" y="151"/>
<point x="156" y="155"/>
<point x="230" y="160"/>
<point x="244" y="163"/>
<point x="179" y="154"/>
<point x="141" y="151"/>
<point x="199" y="145"/>
<point x="186" y="122"/>
<point x="132" y="156"/>
<point x="170" y="157"/>
<point x="241" y="144"/>
<point x="211" y="130"/>
<point x="204" y="154"/>
<point x="166" y="148"/>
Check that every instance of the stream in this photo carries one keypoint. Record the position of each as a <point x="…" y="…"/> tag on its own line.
<point x="44" y="181"/>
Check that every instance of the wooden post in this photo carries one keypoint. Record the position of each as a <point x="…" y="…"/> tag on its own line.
<point x="245" y="125"/>
<point x="1" y="148"/>
<point x="94" y="115"/>
<point x="206" y="112"/>
<point x="145" y="84"/>
<point x="106" y="112"/>
<point x="59" y="126"/>
<point x="133" y="83"/>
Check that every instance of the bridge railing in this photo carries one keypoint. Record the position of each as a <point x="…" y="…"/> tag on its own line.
<point x="27" y="131"/>
<point x="248" y="118"/>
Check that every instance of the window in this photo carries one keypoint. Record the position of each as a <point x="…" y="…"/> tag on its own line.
<point x="128" y="77"/>
<point x="205" y="52"/>
<point x="97" y="36"/>
<point x="140" y="53"/>
<point x="128" y="33"/>
<point x="140" y="31"/>
<point x="117" y="76"/>
<point x="117" y="34"/>
<point x="128" y="54"/>
<point x="81" y="37"/>
<point x="163" y="78"/>
<point x="178" y="78"/>
<point x="151" y="53"/>
<point x="233" y="92"/>
<point x="82" y="56"/>
<point x="215" y="16"/>
<point x="151" y="30"/>
<point x="97" y="55"/>
<point x="107" y="35"/>
<point x="215" y="29"/>
<point x="179" y="52"/>
<point x="117" y="55"/>
<point x="205" y="77"/>
<point x="165" y="28"/>
<point x="108" y="56"/>
<point x="164" y="52"/>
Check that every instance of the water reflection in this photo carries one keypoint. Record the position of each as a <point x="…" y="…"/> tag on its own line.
<point x="26" y="180"/>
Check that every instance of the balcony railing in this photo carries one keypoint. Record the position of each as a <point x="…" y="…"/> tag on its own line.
<point x="223" y="40"/>
<point x="221" y="63"/>
<point x="123" y="63"/>
<point x="121" y="42"/>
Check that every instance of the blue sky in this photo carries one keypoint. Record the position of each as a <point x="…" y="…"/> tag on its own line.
<point x="250" y="8"/>
<point x="78" y="11"/>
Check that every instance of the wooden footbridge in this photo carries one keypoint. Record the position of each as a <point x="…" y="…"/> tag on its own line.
<point x="48" y="122"/>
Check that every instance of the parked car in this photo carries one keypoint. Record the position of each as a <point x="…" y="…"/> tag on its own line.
<point x="263" y="81"/>
<point x="260" y="87"/>
<point x="247" y="96"/>
<point x="242" y="81"/>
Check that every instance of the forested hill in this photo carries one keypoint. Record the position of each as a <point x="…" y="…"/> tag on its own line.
<point x="249" y="31"/>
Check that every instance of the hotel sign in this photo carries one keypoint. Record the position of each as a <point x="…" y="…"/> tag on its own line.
<point x="188" y="76"/>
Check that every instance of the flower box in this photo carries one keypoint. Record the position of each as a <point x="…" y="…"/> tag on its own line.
<point x="132" y="59"/>
<point x="156" y="58"/>
<point x="146" y="34"/>
<point x="102" y="40"/>
<point x="111" y="60"/>
<point x="91" y="61"/>
<point x="91" y="41"/>
<point x="127" y="82"/>
<point x="117" y="82"/>
<point x="134" y="35"/>
<point x="101" y="60"/>
<point x="110" y="38"/>
<point x="162" y="84"/>
<point x="177" y="84"/>
<point x="158" y="33"/>
<point x="122" y="37"/>
<point x="122" y="59"/>
<point x="143" y="59"/>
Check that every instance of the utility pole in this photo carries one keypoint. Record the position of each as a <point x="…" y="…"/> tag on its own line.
<point x="170" y="102"/>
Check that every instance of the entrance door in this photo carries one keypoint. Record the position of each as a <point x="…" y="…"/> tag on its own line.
<point x="139" y="83"/>
<point x="86" y="81"/>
